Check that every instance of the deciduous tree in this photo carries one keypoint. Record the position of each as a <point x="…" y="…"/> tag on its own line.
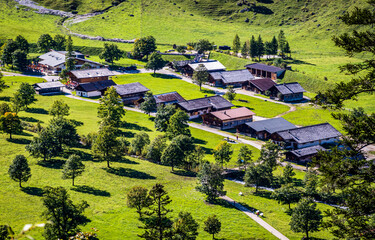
<point x="156" y="62"/>
<point x="178" y="124"/>
<point x="19" y="170"/>
<point x="19" y="59"/>
<point x="2" y="83"/>
<point x="139" y="143"/>
<point x="106" y="147"/>
<point x="212" y="225"/>
<point x="287" y="194"/>
<point x="24" y="96"/>
<point x="10" y="124"/>
<point x="64" y="217"/>
<point x="137" y="198"/>
<point x="111" y="53"/>
<point x="60" y="42"/>
<point x="44" y="145"/>
<point x="59" y="109"/>
<point x="111" y="110"/>
<point x="200" y="76"/>
<point x="245" y="156"/>
<point x="64" y="131"/>
<point x="163" y="114"/>
<point x="144" y="47"/>
<point x="223" y="153"/>
<point x="149" y="105"/>
<point x="45" y="43"/>
<point x="4" y="107"/>
<point x="8" y="50"/>
<point x="211" y="181"/>
<point x="73" y="168"/>
<point x="258" y="175"/>
<point x="230" y="94"/>
<point x="269" y="154"/>
<point x="156" y="148"/>
<point x="203" y="45"/>
<point x="22" y="44"/>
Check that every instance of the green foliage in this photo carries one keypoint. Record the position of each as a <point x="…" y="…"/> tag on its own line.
<point x="19" y="170"/>
<point x="111" y="53"/>
<point x="230" y="94"/>
<point x="149" y="105"/>
<point x="194" y="158"/>
<point x="45" y="43"/>
<point x="44" y="145"/>
<point x="223" y="153"/>
<point x="22" y="44"/>
<point x="203" y="45"/>
<point x="269" y="154"/>
<point x="60" y="42"/>
<point x="64" y="131"/>
<point x="288" y="173"/>
<point x="306" y="218"/>
<point x="311" y="182"/>
<point x="59" y="109"/>
<point x="62" y="215"/>
<point x="157" y="225"/>
<point x="156" y="148"/>
<point x="24" y="96"/>
<point x="260" y="47"/>
<point x="185" y="227"/>
<point x="4" y="107"/>
<point x="200" y="76"/>
<point x="144" y="47"/>
<point x="5" y="232"/>
<point x="211" y="181"/>
<point x="73" y="167"/>
<point x="139" y="143"/>
<point x="178" y="125"/>
<point x="258" y="175"/>
<point x="212" y="225"/>
<point x="19" y="59"/>
<point x="281" y="39"/>
<point x="236" y="44"/>
<point x="137" y="198"/>
<point x="111" y="109"/>
<point x="253" y="47"/>
<point x="287" y="194"/>
<point x="69" y="57"/>
<point x="106" y="147"/>
<point x="2" y="83"/>
<point x="172" y="155"/>
<point x="8" y="50"/>
<point x="245" y="49"/>
<point x="10" y="124"/>
<point x="155" y="62"/>
<point x="163" y="114"/>
<point x="245" y="156"/>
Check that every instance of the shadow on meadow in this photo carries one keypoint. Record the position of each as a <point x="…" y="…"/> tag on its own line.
<point x="135" y="126"/>
<point x="19" y="140"/>
<point x="82" y="154"/>
<point x="90" y="190"/>
<point x="184" y="173"/>
<point x="5" y="99"/>
<point x="127" y="172"/>
<point x="52" y="163"/>
<point x="34" y="191"/>
<point x="199" y="141"/>
<point x="37" y="110"/>
<point x="30" y="119"/>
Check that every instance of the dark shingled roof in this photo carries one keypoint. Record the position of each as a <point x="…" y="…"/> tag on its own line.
<point x="95" y="86"/>
<point x="169" y="97"/>
<point x="263" y="84"/>
<point x="182" y="63"/>
<point x="264" y="67"/>
<point x="233" y="76"/>
<point x="217" y="102"/>
<point x="289" y="88"/>
<point x="46" y="85"/>
<point x="91" y="73"/>
<point x="310" y="133"/>
<point x="130" y="88"/>
<point x="307" y="151"/>
<point x="271" y="125"/>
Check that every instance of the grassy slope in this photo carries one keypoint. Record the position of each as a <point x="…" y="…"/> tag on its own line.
<point x="162" y="83"/>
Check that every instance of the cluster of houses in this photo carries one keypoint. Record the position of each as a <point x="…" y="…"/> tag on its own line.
<point x="302" y="143"/>
<point x="257" y="77"/>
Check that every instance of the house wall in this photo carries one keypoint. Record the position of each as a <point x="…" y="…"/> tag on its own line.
<point x="293" y="97"/>
<point x="88" y="94"/>
<point x="213" y="121"/>
<point x="265" y="74"/>
<point x="131" y="98"/>
<point x="320" y="142"/>
<point x="49" y="90"/>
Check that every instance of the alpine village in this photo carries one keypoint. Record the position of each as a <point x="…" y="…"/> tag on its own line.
<point x="187" y="119"/>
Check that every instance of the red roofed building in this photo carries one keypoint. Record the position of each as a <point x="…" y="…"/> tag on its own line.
<point x="227" y="119"/>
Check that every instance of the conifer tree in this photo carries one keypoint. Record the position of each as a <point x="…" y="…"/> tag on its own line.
<point x="19" y="170"/>
<point x="73" y="168"/>
<point x="236" y="44"/>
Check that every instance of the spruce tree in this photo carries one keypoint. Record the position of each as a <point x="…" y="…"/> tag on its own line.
<point x="260" y="47"/>
<point x="253" y="48"/>
<point x="19" y="170"/>
<point x="236" y="44"/>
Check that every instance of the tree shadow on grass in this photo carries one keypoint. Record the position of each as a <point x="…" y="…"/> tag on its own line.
<point x="19" y="141"/>
<point x="207" y="91"/>
<point x="164" y="76"/>
<point x="127" y="134"/>
<point x="184" y="173"/>
<point x="134" y="126"/>
<point x="35" y="191"/>
<point x="221" y="202"/>
<point x="207" y="150"/>
<point x="53" y="163"/>
<point x="30" y="119"/>
<point x="83" y="155"/>
<point x="91" y="190"/>
<point x="76" y="123"/>
<point x="127" y="172"/>
<point x="264" y="194"/>
<point x="37" y="110"/>
<point x="238" y="106"/>
<point x="5" y="99"/>
<point x="125" y="160"/>
<point x="251" y="209"/>
<point x="199" y="141"/>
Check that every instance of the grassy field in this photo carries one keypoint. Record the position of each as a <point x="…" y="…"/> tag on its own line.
<point x="160" y="83"/>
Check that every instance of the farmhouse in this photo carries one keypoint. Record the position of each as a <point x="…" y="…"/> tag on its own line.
<point x="260" y="85"/>
<point x="53" y="62"/>
<point x="303" y="155"/>
<point x="180" y="66"/>
<point x="168" y="98"/>
<point x="131" y="93"/>
<point x="211" y="66"/>
<point x="226" y="119"/>
<point x="288" y="92"/>
<point x="90" y="75"/>
<point x="230" y="78"/>
<point x="264" y="128"/>
<point x="93" y="89"/>
<point x="48" y="88"/>
<point x="308" y="136"/>
<point x="196" y="107"/>
<point x="265" y="71"/>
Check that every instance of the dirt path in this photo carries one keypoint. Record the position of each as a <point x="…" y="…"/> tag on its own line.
<point x="256" y="218"/>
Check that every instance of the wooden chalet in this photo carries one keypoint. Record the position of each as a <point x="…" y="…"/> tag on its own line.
<point x="227" y="119"/>
<point x="303" y="155"/>
<point x="265" y="71"/>
<point x="168" y="98"/>
<point x="211" y="66"/>
<point x="235" y="78"/>
<point x="308" y="136"/>
<point x="53" y="62"/>
<point x="48" y="88"/>
<point x="264" y="128"/>
<point x="288" y="92"/>
<point x="90" y="75"/>
<point x="131" y="93"/>
<point x="93" y="89"/>
<point x="261" y="85"/>
<point x="197" y="107"/>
